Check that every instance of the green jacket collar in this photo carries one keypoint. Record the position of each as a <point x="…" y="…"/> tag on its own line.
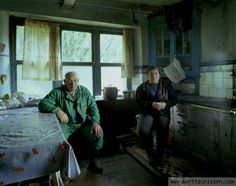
<point x="68" y="95"/>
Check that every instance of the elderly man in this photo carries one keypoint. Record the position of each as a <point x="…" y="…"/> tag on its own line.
<point x="79" y="118"/>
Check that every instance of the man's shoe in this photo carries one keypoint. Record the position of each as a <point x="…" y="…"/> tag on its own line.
<point x="95" y="169"/>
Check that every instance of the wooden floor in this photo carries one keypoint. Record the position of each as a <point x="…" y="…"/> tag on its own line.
<point x="119" y="170"/>
<point x="123" y="166"/>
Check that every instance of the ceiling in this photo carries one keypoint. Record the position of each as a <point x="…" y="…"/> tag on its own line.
<point x="114" y="3"/>
<point x="139" y="6"/>
<point x="142" y="6"/>
<point x="148" y="6"/>
<point x="145" y="6"/>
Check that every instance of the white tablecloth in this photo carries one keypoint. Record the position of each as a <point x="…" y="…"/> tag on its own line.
<point x="32" y="145"/>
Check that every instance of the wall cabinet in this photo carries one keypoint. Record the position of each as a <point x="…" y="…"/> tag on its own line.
<point x="207" y="133"/>
<point x="164" y="45"/>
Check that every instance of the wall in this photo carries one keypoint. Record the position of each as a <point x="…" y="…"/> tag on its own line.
<point x="216" y="81"/>
<point x="218" y="28"/>
<point x="4" y="57"/>
<point x="87" y="16"/>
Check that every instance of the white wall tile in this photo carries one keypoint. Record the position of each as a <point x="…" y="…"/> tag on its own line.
<point x="217" y="68"/>
<point x="229" y="93"/>
<point x="213" y="92"/>
<point x="227" y="74"/>
<point x="226" y="68"/>
<point x="207" y="78"/>
<point x="219" y="74"/>
<point x="219" y="83"/>
<point x="228" y="83"/>
<point x="203" y="90"/>
<point x="221" y="93"/>
<point x="216" y="81"/>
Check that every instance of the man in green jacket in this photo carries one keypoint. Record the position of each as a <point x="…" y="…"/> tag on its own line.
<point x="79" y="118"/>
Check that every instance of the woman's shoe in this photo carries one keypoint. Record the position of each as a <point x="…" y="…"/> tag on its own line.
<point x="155" y="163"/>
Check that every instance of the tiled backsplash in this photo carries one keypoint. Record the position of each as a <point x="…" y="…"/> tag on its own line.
<point x="185" y="88"/>
<point x="216" y="81"/>
<point x="181" y="88"/>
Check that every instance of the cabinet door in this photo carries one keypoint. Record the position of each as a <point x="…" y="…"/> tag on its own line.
<point x="160" y="42"/>
<point x="228" y="141"/>
<point x="234" y="136"/>
<point x="163" y="45"/>
<point x="180" y="125"/>
<point x="183" y="49"/>
<point x="203" y="133"/>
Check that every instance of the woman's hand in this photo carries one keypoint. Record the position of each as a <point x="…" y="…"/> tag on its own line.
<point x="158" y="105"/>
<point x="97" y="130"/>
<point x="62" y="116"/>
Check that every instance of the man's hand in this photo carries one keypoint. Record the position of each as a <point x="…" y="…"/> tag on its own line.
<point x="62" y="116"/>
<point x="96" y="129"/>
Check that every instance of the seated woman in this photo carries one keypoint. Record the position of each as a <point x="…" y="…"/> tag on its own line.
<point x="154" y="98"/>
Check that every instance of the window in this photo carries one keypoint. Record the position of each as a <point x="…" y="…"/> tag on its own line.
<point x="111" y="48"/>
<point x="111" y="53"/>
<point x="76" y="46"/>
<point x="19" y="42"/>
<point x="85" y="74"/>
<point x="94" y="53"/>
<point x="111" y="77"/>
<point x="31" y="87"/>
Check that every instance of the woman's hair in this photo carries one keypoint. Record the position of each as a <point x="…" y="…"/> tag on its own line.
<point x="150" y="68"/>
<point x="163" y="90"/>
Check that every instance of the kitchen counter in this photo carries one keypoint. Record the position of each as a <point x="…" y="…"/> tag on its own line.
<point x="216" y="103"/>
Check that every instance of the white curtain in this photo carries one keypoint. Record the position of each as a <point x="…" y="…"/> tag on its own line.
<point x="128" y="64"/>
<point x="54" y="53"/>
<point x="41" y="59"/>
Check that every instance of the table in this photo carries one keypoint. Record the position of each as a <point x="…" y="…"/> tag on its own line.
<point x="32" y="145"/>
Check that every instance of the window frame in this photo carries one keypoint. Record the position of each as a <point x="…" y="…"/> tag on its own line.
<point x="95" y="63"/>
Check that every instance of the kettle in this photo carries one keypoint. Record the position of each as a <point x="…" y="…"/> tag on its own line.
<point x="110" y="93"/>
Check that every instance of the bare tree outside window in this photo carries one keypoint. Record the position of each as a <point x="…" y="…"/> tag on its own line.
<point x="76" y="46"/>
<point x="111" y="48"/>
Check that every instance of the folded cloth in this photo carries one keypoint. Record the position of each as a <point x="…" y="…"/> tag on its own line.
<point x="174" y="71"/>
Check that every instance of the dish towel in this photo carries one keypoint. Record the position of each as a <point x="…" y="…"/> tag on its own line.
<point x="174" y="71"/>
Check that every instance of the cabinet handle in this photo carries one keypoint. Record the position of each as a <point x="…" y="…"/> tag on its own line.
<point x="181" y="123"/>
<point x="182" y="132"/>
<point x="233" y="111"/>
<point x="181" y="115"/>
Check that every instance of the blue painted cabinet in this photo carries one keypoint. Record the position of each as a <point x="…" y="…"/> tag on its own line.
<point x="180" y="125"/>
<point x="228" y="141"/>
<point x="207" y="133"/>
<point x="164" y="45"/>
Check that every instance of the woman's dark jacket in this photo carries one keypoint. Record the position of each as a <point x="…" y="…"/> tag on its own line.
<point x="144" y="100"/>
